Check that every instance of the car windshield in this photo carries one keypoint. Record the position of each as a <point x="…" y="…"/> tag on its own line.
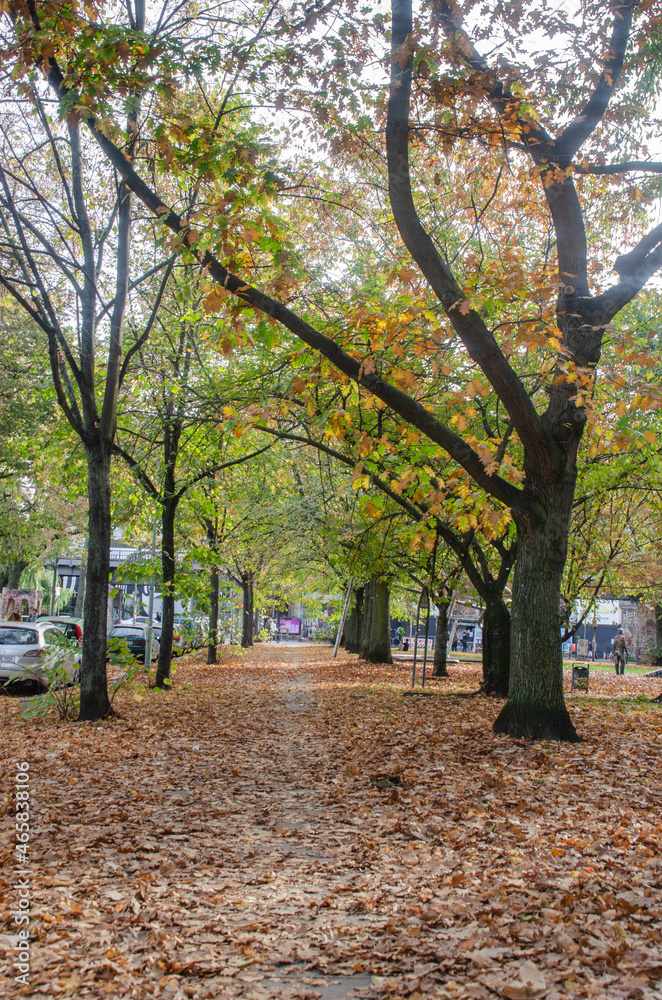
<point x="18" y="637"/>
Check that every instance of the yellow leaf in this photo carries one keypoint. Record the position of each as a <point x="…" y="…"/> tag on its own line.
<point x="650" y="437"/>
<point x="620" y="408"/>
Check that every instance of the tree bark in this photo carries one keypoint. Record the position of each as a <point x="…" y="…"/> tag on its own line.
<point x="212" y="639"/>
<point x="366" y="618"/>
<point x="376" y="639"/>
<point x="94" y="702"/>
<point x="354" y="623"/>
<point x="658" y="635"/>
<point x="441" y="640"/>
<point x="16" y="568"/>
<point x="247" y="580"/>
<point x="80" y="593"/>
<point x="496" y="646"/>
<point x="169" y="511"/>
<point x="536" y="708"/>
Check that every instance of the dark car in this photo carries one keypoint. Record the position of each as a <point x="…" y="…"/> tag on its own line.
<point x="135" y="637"/>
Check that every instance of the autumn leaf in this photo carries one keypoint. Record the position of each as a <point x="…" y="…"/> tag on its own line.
<point x="213" y="302"/>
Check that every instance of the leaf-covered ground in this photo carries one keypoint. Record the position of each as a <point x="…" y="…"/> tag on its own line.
<point x="287" y="826"/>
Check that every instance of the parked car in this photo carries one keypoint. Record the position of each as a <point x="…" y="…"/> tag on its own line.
<point x="192" y="636"/>
<point x="136" y="638"/>
<point x="26" y="648"/>
<point x="178" y="642"/>
<point x="72" y="627"/>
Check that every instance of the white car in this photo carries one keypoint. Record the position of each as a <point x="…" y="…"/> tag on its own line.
<point x="27" y="647"/>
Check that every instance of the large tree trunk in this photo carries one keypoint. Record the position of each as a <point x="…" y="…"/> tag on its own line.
<point x="441" y="640"/>
<point x="366" y="618"/>
<point x="212" y="638"/>
<point x="15" y="572"/>
<point x="247" y="579"/>
<point x="169" y="511"/>
<point x="94" y="703"/>
<point x="496" y="646"/>
<point x="536" y="708"/>
<point x="658" y="635"/>
<point x="376" y="637"/>
<point x="353" y="622"/>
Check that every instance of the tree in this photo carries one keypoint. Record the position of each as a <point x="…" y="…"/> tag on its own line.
<point x="65" y="259"/>
<point x="548" y="406"/>
<point x="170" y="429"/>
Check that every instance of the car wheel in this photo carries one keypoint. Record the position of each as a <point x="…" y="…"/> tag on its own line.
<point x="33" y="687"/>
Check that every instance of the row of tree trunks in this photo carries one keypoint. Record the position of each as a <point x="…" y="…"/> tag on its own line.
<point x="368" y="624"/>
<point x="353" y="622"/>
<point x="247" y="582"/>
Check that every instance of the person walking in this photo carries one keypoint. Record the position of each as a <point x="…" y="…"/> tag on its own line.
<point x="620" y="652"/>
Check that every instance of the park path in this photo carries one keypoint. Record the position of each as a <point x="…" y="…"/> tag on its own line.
<point x="288" y="827"/>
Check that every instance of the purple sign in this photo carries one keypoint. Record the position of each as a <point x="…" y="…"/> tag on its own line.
<point x="292" y="626"/>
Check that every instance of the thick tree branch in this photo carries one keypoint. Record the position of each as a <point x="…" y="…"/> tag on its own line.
<point x="643" y="166"/>
<point x="634" y="269"/>
<point x="407" y="407"/>
<point x="474" y="334"/>
<point x="577" y="132"/>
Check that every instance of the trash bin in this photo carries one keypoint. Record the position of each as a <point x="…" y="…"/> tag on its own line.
<point x="579" y="678"/>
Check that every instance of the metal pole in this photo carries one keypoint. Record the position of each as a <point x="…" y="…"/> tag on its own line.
<point x="449" y="644"/>
<point x="413" y="670"/>
<point x="343" y="615"/>
<point x="148" y="638"/>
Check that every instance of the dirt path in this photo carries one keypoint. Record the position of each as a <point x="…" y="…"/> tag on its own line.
<point x="291" y="827"/>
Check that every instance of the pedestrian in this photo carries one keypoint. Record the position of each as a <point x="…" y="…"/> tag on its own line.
<point x="620" y="652"/>
<point x="454" y="643"/>
<point x="465" y="641"/>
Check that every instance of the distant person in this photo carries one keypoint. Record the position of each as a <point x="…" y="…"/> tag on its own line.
<point x="465" y="641"/>
<point x="454" y="643"/>
<point x="620" y="652"/>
